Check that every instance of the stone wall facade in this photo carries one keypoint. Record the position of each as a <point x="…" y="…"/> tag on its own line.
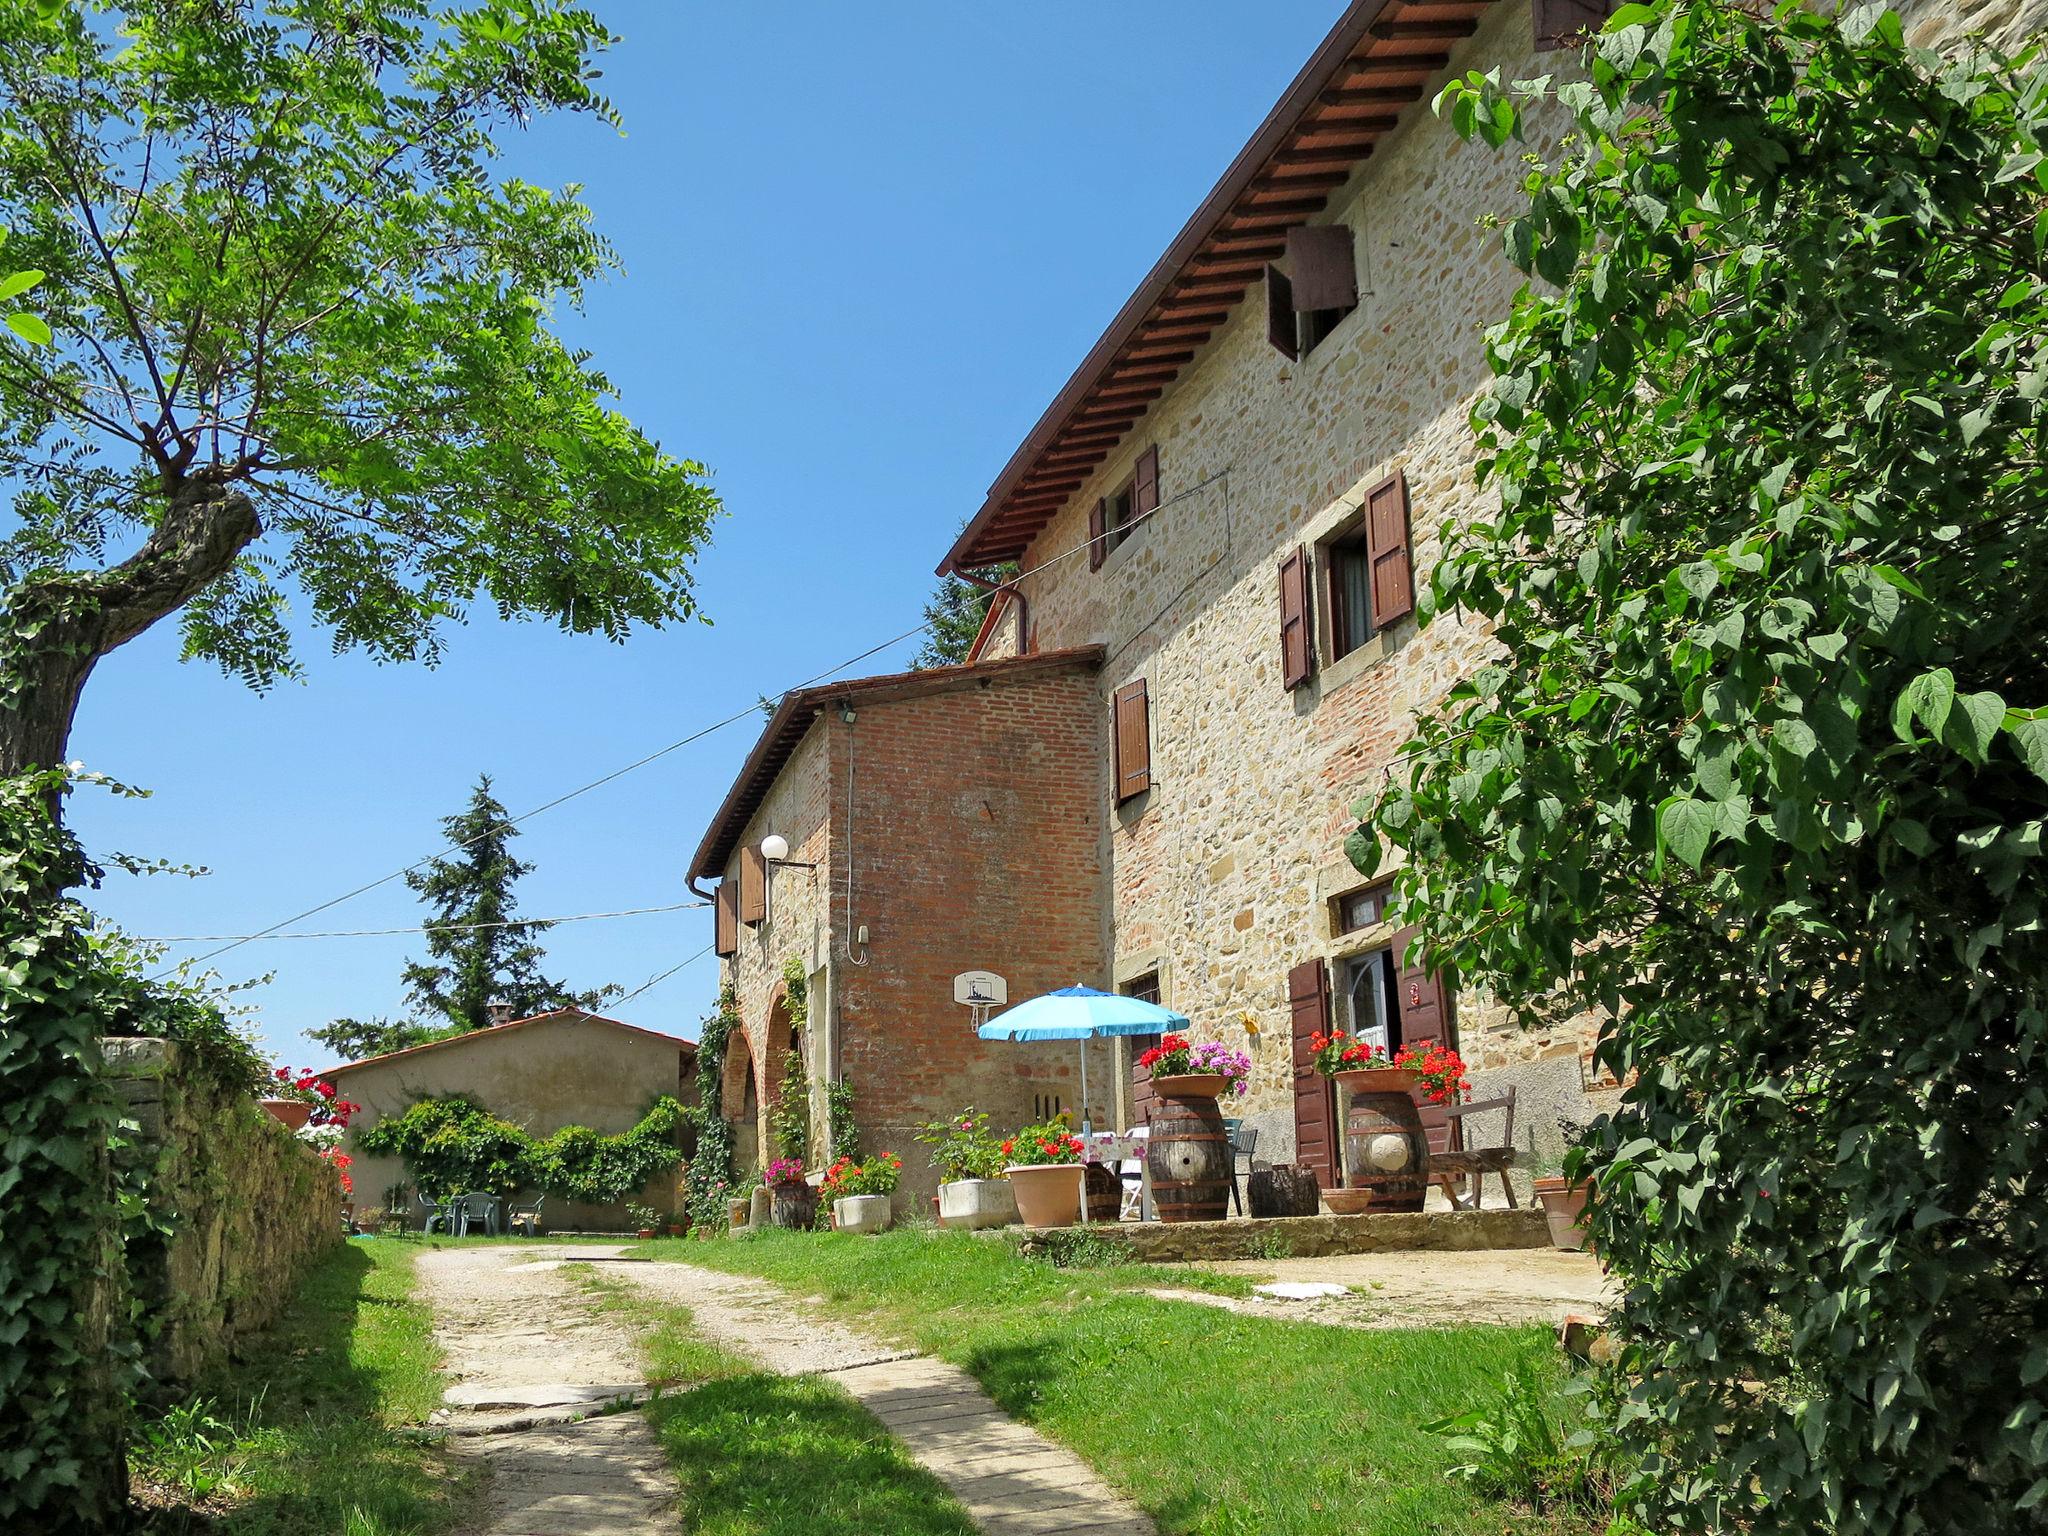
<point x="249" y="1207"/>
<point x="1225" y="873"/>
<point x="959" y="821"/>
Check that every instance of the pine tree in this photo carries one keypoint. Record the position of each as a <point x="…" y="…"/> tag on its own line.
<point x="954" y="613"/>
<point x="472" y="966"/>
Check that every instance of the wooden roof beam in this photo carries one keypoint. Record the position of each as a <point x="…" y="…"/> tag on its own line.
<point x="1381" y="68"/>
<point x="1370" y="95"/>
<point x="1424" y="31"/>
<point x="1335" y="155"/>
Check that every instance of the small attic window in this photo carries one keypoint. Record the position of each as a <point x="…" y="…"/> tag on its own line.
<point x="1310" y="299"/>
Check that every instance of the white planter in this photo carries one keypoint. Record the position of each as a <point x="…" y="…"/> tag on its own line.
<point x="862" y="1213"/>
<point x="976" y="1203"/>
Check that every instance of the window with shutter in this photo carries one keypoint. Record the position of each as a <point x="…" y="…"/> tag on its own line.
<point x="1145" y="484"/>
<point x="1131" y="721"/>
<point x="1295" y="651"/>
<point x="1117" y="516"/>
<point x="753" y="886"/>
<point x="1280" y="322"/>
<point x="1098" y="527"/>
<point x="1564" y="23"/>
<point x="728" y="918"/>
<point x="1322" y="279"/>
<point x="1315" y="1099"/>
<point x="1386" y="537"/>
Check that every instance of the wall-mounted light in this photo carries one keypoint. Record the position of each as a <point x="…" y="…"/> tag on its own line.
<point x="775" y="849"/>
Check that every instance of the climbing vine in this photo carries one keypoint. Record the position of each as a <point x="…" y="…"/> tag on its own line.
<point x="66" y="1365"/>
<point x="454" y="1145"/>
<point x="710" y="1175"/>
<point x="789" y="1125"/>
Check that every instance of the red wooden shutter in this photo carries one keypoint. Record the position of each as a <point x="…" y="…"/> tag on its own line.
<point x="1386" y="545"/>
<point x="1133" y="727"/>
<point x="1315" y="1104"/>
<point x="1562" y="23"/>
<point x="1324" y="270"/>
<point x="1295" y="653"/>
<point x="1098" y="529"/>
<point x="728" y="918"/>
<point x="1145" y="486"/>
<point x="1280" y="329"/>
<point x="753" y="885"/>
<point x="1426" y="1019"/>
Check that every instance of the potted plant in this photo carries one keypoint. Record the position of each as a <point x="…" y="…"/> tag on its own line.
<point x="860" y="1191"/>
<point x="792" y="1202"/>
<point x="299" y="1098"/>
<point x="972" y="1190"/>
<point x="1183" y="1071"/>
<point x="1045" y="1173"/>
<point x="1562" y="1196"/>
<point x="1386" y="1155"/>
<point x="643" y="1218"/>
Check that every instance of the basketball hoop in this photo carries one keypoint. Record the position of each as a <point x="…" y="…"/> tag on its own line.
<point x="981" y="991"/>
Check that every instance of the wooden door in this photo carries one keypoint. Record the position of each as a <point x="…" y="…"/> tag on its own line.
<point x="1315" y="1099"/>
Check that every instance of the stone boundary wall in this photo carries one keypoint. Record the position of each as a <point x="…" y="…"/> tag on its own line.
<point x="1315" y="1237"/>
<point x="249" y="1208"/>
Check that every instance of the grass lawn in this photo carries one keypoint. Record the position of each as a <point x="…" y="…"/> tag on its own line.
<point x="306" y="1435"/>
<point x="765" y="1455"/>
<point x="1219" y="1425"/>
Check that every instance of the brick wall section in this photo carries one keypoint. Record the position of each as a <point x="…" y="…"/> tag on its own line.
<point x="974" y="835"/>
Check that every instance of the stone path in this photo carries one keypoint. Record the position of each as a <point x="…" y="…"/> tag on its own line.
<point x="1010" y="1479"/>
<point x="533" y="1362"/>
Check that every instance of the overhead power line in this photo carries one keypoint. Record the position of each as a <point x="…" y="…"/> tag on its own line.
<point x="641" y="762"/>
<point x="654" y="981"/>
<point x="368" y="933"/>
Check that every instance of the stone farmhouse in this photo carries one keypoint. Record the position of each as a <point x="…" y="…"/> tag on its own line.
<point x="1142" y="777"/>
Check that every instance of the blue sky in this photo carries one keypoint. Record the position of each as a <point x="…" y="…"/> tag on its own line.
<point x="863" y="247"/>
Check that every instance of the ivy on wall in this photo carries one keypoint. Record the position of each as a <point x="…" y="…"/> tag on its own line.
<point x="454" y="1145"/>
<point x="709" y="1179"/>
<point x="65" y="1367"/>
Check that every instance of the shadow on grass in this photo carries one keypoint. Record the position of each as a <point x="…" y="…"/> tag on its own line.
<point x="763" y="1455"/>
<point x="317" y="1405"/>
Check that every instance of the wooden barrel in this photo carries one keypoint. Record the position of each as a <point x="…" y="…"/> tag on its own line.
<point x="795" y="1206"/>
<point x="1188" y="1156"/>
<point x="1286" y="1191"/>
<point x="1385" y="1150"/>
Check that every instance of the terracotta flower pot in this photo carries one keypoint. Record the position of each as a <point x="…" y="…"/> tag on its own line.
<point x="1564" y="1207"/>
<point x="1348" y="1202"/>
<point x="676" y="1229"/>
<point x="1378" y="1079"/>
<point x="290" y="1113"/>
<point x="1048" y="1194"/>
<point x="1190" y="1085"/>
<point x="645" y="1232"/>
<point x="976" y="1203"/>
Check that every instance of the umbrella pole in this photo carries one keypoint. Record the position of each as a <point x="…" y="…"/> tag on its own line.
<point x="1084" y="1124"/>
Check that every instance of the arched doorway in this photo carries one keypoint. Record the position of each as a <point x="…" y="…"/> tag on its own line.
<point x="739" y="1101"/>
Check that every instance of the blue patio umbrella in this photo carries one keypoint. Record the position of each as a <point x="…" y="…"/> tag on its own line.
<point x="1081" y="1013"/>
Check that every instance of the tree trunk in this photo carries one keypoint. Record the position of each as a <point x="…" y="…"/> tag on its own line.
<point x="54" y="630"/>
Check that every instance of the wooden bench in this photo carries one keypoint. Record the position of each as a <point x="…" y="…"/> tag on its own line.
<point x="1472" y="1164"/>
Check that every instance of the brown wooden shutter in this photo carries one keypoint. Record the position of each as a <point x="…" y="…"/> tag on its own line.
<point x="1296" y="654"/>
<point x="1133" y="728"/>
<point x="1098" y="529"/>
<point x="1562" y="23"/>
<point x="1426" y="1020"/>
<point x="1145" y="486"/>
<point x="1386" y="545"/>
<point x="1280" y="328"/>
<point x="753" y="885"/>
<point x="728" y="918"/>
<point x="1322" y="268"/>
<point x="1315" y="1102"/>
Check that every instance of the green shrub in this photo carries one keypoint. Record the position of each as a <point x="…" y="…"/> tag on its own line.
<point x="1757" y="774"/>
